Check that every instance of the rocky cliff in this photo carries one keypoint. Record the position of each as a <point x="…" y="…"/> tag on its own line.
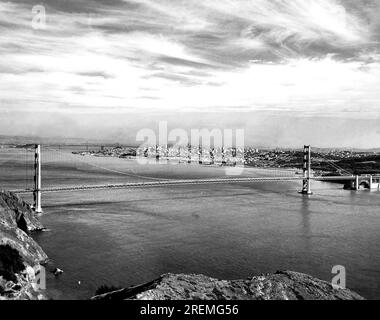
<point x="285" y="285"/>
<point x="20" y="255"/>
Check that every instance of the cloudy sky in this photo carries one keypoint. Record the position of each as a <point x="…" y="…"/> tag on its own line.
<point x="288" y="71"/>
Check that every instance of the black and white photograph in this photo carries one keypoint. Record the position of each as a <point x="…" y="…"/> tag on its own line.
<point x="189" y="150"/>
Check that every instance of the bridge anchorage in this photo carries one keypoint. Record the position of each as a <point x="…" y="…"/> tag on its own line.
<point x="367" y="182"/>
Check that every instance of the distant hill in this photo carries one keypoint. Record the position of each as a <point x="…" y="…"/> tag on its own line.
<point x="29" y="140"/>
<point x="25" y="140"/>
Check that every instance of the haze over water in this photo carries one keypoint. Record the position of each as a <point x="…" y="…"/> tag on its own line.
<point x="126" y="237"/>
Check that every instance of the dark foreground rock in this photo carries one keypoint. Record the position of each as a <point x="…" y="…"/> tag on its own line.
<point x="284" y="285"/>
<point x="20" y="255"/>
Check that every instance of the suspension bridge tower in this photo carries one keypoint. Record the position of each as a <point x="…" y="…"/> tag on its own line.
<point x="37" y="180"/>
<point x="306" y="188"/>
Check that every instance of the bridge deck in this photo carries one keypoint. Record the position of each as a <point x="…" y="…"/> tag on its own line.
<point x="183" y="182"/>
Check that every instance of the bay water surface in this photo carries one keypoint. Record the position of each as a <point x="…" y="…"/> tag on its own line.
<point x="231" y="231"/>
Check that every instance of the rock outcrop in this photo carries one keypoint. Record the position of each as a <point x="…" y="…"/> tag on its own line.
<point x="20" y="255"/>
<point x="284" y="285"/>
<point x="16" y="212"/>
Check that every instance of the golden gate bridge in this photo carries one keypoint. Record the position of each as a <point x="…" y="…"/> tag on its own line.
<point x="354" y="181"/>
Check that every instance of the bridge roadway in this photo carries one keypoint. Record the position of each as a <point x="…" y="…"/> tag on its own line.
<point x="184" y="182"/>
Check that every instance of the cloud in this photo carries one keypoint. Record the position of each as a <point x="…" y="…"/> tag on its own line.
<point x="315" y="57"/>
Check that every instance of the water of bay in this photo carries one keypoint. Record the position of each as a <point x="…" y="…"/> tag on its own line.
<point x="230" y="231"/>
